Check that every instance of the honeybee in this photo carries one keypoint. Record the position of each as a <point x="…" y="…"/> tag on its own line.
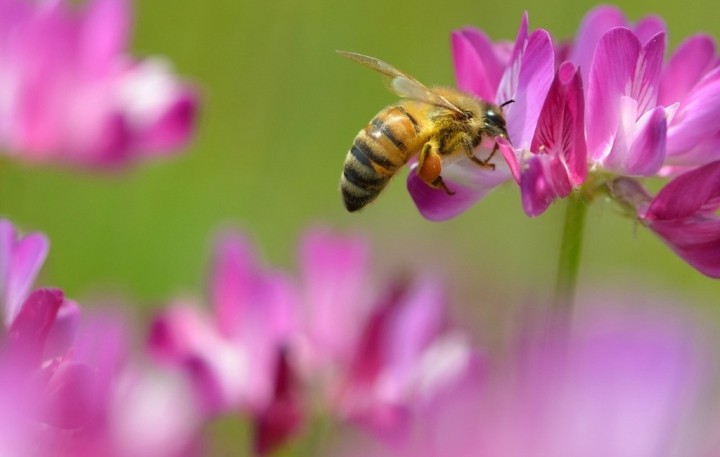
<point x="432" y="123"/>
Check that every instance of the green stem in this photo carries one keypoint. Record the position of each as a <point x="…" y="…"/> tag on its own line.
<point x="570" y="248"/>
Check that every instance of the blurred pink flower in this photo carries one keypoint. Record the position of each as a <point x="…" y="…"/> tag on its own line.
<point x="70" y="93"/>
<point x="236" y="357"/>
<point x="365" y="358"/>
<point x="135" y="409"/>
<point x="68" y="388"/>
<point x="622" y="385"/>
<point x="407" y="353"/>
<point x="20" y="260"/>
<point x="280" y="350"/>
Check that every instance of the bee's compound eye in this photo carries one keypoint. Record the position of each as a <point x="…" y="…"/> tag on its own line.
<point x="490" y="113"/>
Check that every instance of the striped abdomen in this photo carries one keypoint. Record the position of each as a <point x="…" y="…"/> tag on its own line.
<point x="378" y="151"/>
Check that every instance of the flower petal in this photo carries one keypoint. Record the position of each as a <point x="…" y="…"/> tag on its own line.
<point x="698" y="117"/>
<point x="561" y="128"/>
<point x="595" y="24"/>
<point x="284" y="416"/>
<point x="543" y="180"/>
<point x="159" y="110"/>
<point x="20" y="261"/>
<point x="62" y="334"/>
<point x="247" y="300"/>
<point x="334" y="270"/>
<point x="649" y="26"/>
<point x="535" y="74"/>
<point x="478" y="68"/>
<point x="33" y="323"/>
<point x="466" y="179"/>
<point x="692" y="59"/>
<point x="70" y="396"/>
<point x="611" y="75"/>
<point x="219" y="369"/>
<point x="509" y="80"/>
<point x="682" y="214"/>
<point x="104" y="34"/>
<point x="647" y="73"/>
<point x="388" y="368"/>
<point x="639" y="149"/>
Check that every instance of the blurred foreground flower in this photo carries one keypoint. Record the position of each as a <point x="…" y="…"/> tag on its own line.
<point x="70" y="93"/>
<point x="281" y="350"/>
<point x="68" y="388"/>
<point x="587" y="112"/>
<point x="626" y="383"/>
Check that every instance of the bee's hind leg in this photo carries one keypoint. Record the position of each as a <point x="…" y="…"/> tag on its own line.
<point x="430" y="166"/>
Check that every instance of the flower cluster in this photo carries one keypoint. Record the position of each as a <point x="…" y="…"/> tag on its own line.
<point x="68" y="385"/>
<point x="625" y="383"/>
<point x="602" y="107"/>
<point x="275" y="348"/>
<point x="69" y="93"/>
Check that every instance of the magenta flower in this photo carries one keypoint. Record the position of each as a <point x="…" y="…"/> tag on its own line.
<point x="407" y="353"/>
<point x="20" y="261"/>
<point x="490" y="72"/>
<point x="556" y="161"/>
<point x="682" y="214"/>
<point x="135" y="409"/>
<point x="236" y="357"/>
<point x="691" y="83"/>
<point x="613" y="110"/>
<point x="333" y="269"/>
<point x="623" y="385"/>
<point x="69" y="92"/>
<point x="627" y="130"/>
<point x="368" y="360"/>
<point x="596" y="24"/>
<point x="68" y="388"/>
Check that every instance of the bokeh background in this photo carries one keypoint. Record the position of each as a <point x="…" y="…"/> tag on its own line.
<point x="280" y="112"/>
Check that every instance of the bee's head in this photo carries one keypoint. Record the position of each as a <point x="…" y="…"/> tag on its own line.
<point x="495" y="122"/>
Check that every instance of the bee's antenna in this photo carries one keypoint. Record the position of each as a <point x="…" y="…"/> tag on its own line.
<point x="504" y="104"/>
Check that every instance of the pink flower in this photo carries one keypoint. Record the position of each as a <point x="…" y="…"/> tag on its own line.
<point x="683" y="215"/>
<point x="334" y="270"/>
<point x="690" y="82"/>
<point x="556" y="161"/>
<point x="276" y="351"/>
<point x="137" y="410"/>
<point x="67" y="386"/>
<point x="69" y="92"/>
<point x="236" y="356"/>
<point x="613" y="110"/>
<point x="407" y="353"/>
<point x="627" y="130"/>
<point x="596" y="23"/>
<point x="488" y="71"/>
<point x="622" y="385"/>
<point x="20" y="261"/>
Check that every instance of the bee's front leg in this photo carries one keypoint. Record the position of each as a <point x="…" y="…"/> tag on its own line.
<point x="430" y="166"/>
<point x="483" y="163"/>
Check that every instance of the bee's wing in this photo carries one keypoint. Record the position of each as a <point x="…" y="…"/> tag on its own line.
<point x="400" y="83"/>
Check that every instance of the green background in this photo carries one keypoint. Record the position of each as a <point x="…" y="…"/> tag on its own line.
<point x="280" y="110"/>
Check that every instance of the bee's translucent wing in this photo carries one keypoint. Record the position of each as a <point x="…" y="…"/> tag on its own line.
<point x="400" y="83"/>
